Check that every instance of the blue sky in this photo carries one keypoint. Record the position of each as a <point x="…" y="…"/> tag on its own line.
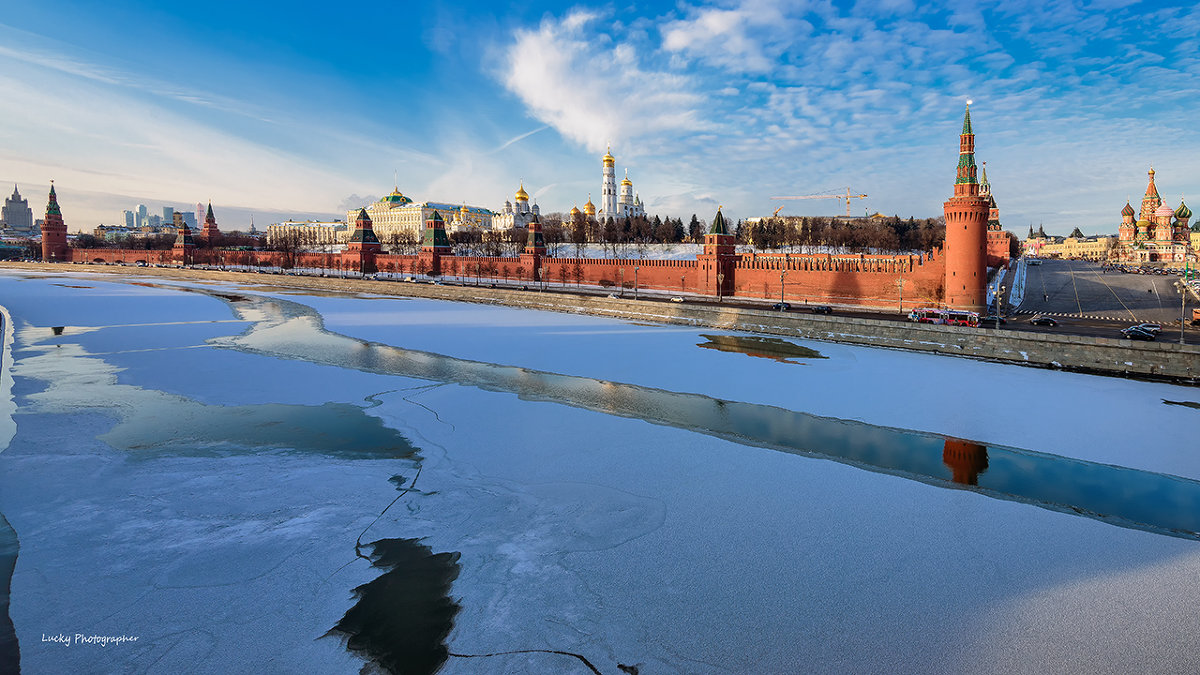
<point x="297" y="109"/>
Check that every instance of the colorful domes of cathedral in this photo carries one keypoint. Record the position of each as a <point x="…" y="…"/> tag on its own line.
<point x="1164" y="211"/>
<point x="1183" y="212"/>
<point x="1128" y="211"/>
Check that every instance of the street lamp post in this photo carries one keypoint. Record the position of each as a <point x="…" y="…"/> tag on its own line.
<point x="720" y="285"/>
<point x="622" y="271"/>
<point x="1182" y="285"/>
<point x="635" y="282"/>
<point x="782" y="275"/>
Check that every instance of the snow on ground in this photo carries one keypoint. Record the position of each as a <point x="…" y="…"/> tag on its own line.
<point x="624" y="541"/>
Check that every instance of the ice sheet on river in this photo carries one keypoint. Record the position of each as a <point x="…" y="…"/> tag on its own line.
<point x="577" y="530"/>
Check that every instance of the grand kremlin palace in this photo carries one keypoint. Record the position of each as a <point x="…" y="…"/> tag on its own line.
<point x="396" y="213"/>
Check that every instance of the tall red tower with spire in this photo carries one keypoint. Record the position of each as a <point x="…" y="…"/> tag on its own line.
<point x="210" y="231"/>
<point x="966" y="231"/>
<point x="54" y="232"/>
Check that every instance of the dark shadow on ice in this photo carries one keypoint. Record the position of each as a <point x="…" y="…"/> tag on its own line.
<point x="761" y="347"/>
<point x="10" y="650"/>
<point x="402" y="618"/>
<point x="1186" y="404"/>
<point x="1121" y="496"/>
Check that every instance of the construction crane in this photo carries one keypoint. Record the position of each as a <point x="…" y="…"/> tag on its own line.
<point x="776" y="212"/>
<point x="846" y="196"/>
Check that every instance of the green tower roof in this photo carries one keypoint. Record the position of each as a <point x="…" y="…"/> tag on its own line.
<point x="718" y="224"/>
<point x="967" y="121"/>
<point x="1183" y="212"/>
<point x="52" y="207"/>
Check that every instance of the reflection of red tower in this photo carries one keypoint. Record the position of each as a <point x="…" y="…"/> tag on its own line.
<point x="966" y="231"/>
<point x="54" y="231"/>
<point x="966" y="460"/>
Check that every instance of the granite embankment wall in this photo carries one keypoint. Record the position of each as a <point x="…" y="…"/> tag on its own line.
<point x="1168" y="360"/>
<point x="1164" y="359"/>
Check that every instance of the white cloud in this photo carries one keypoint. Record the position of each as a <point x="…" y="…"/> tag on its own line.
<point x="593" y="91"/>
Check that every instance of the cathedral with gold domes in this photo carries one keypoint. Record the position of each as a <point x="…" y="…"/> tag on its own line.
<point x="1160" y="233"/>
<point x="517" y="213"/>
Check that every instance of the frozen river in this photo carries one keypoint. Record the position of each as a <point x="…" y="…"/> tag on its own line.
<point x="231" y="479"/>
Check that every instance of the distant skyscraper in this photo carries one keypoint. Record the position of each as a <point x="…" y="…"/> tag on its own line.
<point x="199" y="213"/>
<point x="17" y="217"/>
<point x="128" y="216"/>
<point x="168" y="215"/>
<point x="141" y="220"/>
<point x="189" y="218"/>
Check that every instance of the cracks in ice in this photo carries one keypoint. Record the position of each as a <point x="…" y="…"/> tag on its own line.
<point x="581" y="657"/>
<point x="358" y="542"/>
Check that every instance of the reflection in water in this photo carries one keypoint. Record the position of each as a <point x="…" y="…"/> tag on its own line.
<point x="191" y="428"/>
<point x="762" y="347"/>
<point x="1121" y="496"/>
<point x="966" y="460"/>
<point x="402" y="618"/>
<point x="10" y="651"/>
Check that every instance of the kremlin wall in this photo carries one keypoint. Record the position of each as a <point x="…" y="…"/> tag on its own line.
<point x="954" y="276"/>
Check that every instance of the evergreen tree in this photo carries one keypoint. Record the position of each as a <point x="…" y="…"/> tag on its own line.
<point x="695" y="230"/>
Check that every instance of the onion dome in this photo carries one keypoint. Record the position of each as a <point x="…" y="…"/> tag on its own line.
<point x="395" y="199"/>
<point x="609" y="160"/>
<point x="575" y="211"/>
<point x="1127" y="211"/>
<point x="522" y="195"/>
<point x="1183" y="212"/>
<point x="625" y="180"/>
<point x="589" y="208"/>
<point x="1164" y="211"/>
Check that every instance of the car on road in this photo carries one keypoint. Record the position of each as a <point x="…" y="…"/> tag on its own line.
<point x="1035" y="261"/>
<point x="1148" y="327"/>
<point x="993" y="318"/>
<point x="821" y="309"/>
<point x="781" y="306"/>
<point x="676" y="299"/>
<point x="1136" y="333"/>
<point x="1043" y="321"/>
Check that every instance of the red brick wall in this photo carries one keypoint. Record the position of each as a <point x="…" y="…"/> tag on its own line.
<point x="818" y="279"/>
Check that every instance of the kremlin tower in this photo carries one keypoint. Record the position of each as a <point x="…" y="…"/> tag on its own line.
<point x="965" y="249"/>
<point x="210" y="231"/>
<point x="54" y="231"/>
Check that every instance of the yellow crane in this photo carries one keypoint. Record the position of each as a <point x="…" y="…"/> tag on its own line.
<point x="776" y="212"/>
<point x="846" y="196"/>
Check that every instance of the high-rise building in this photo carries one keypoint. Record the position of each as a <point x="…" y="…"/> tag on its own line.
<point x="17" y="217"/>
<point x="128" y="218"/>
<point x="168" y="214"/>
<point x="141" y="220"/>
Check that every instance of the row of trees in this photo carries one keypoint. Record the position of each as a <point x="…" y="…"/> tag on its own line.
<point x="154" y="242"/>
<point x="858" y="235"/>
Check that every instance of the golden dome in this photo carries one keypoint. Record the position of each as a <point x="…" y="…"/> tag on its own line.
<point x="589" y="208"/>
<point x="574" y="210"/>
<point x="522" y="195"/>
<point x="625" y="180"/>
<point x="609" y="160"/>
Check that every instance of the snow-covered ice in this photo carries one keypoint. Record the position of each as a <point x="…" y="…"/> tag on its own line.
<point x="153" y="497"/>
